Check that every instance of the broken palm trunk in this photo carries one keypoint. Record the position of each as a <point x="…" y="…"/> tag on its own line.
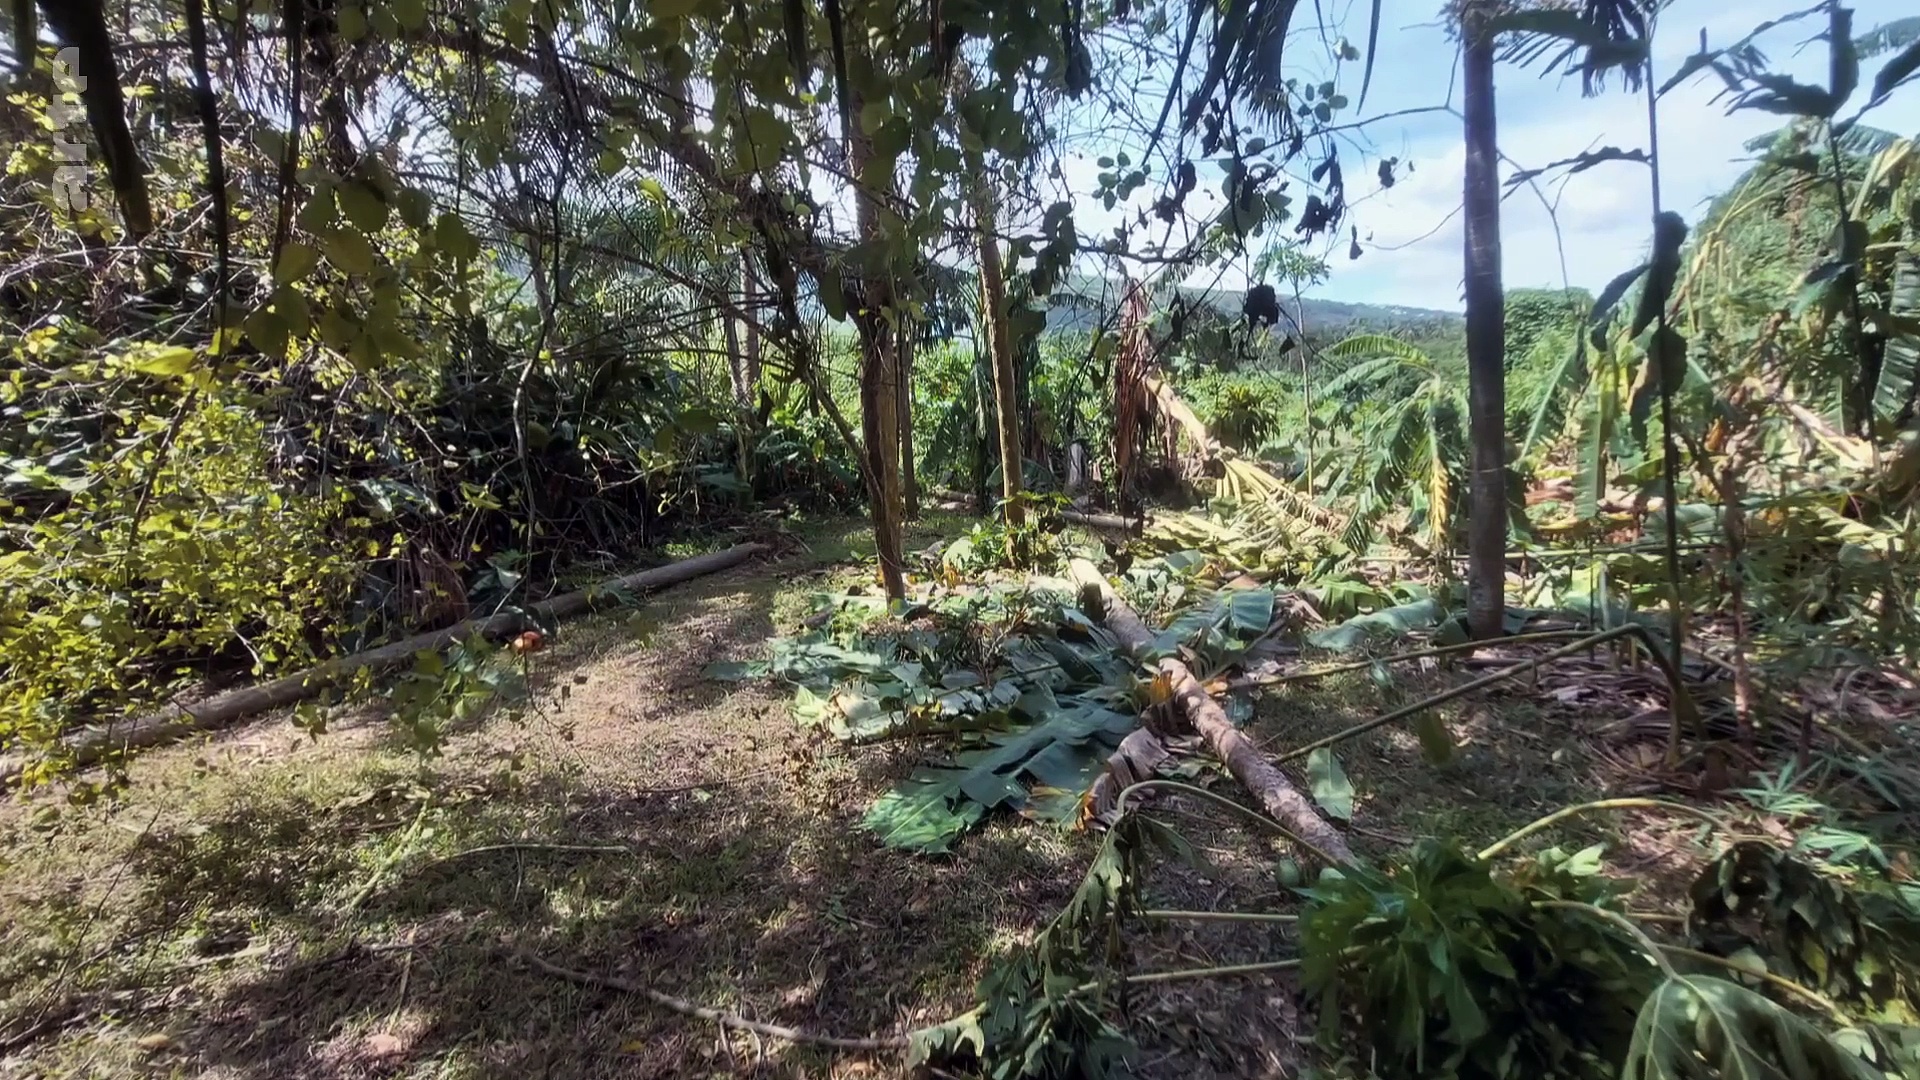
<point x="1270" y="787"/>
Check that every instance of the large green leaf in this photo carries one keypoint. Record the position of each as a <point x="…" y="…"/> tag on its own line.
<point x="1331" y="788"/>
<point x="1388" y="622"/>
<point x="1059" y="751"/>
<point x="1900" y="361"/>
<point x="1249" y="611"/>
<point x="1592" y="451"/>
<point x="1703" y="1027"/>
<point x="1550" y="408"/>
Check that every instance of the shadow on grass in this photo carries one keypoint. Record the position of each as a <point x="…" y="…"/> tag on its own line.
<point x="373" y="933"/>
<point x="739" y="899"/>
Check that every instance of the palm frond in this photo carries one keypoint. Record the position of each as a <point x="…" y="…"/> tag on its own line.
<point x="1368" y="346"/>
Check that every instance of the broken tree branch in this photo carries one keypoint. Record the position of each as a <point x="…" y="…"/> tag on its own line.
<point x="702" y="1012"/>
<point x="1269" y="786"/>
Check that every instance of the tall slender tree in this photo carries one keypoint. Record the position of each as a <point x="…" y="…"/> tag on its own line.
<point x="993" y="314"/>
<point x="1486" y="327"/>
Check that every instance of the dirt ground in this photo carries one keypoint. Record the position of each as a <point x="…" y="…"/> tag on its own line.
<point x="269" y="906"/>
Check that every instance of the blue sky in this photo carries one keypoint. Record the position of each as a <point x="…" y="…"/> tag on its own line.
<point x="1414" y="251"/>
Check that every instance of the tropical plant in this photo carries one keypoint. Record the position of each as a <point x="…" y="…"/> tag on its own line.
<point x="1411" y="445"/>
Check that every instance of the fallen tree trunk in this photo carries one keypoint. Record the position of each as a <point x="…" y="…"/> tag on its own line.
<point x="90" y="745"/>
<point x="1116" y="522"/>
<point x="1270" y="787"/>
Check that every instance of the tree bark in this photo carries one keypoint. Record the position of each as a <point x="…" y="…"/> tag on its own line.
<point x="1486" y="336"/>
<point x="909" y="476"/>
<point x="993" y="289"/>
<point x="750" y="299"/>
<point x="1269" y="786"/>
<point x="742" y="385"/>
<point x="879" y="369"/>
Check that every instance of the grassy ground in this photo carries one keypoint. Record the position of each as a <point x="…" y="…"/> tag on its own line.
<point x="266" y="905"/>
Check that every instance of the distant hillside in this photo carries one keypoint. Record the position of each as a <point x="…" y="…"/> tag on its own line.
<point x="1079" y="304"/>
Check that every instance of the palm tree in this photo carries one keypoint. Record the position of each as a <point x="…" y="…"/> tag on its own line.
<point x="1414" y="450"/>
<point x="1486" y="327"/>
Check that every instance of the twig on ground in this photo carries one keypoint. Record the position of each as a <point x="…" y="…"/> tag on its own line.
<point x="703" y="1012"/>
<point x="584" y="849"/>
<point x="725" y="781"/>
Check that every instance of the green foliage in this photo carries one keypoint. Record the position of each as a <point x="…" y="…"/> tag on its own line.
<point x="126" y="563"/>
<point x="441" y="691"/>
<point x="1034" y="697"/>
<point x="1035" y="544"/>
<point x="1382" y="621"/>
<point x="1857" y="946"/>
<point x="1409" y="447"/>
<point x="1042" y="1010"/>
<point x="1056" y="751"/>
<point x="1329" y="784"/>
<point x="1704" y="1027"/>
<point x="1450" y="970"/>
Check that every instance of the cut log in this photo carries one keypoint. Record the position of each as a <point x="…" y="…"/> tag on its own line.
<point x="1114" y="522"/>
<point x="90" y="745"/>
<point x="1269" y="786"/>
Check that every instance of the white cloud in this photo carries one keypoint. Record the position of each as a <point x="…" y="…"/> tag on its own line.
<point x="1603" y="214"/>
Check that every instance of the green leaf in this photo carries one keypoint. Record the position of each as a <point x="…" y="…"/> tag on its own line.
<point x="1608" y="300"/>
<point x="411" y="14"/>
<point x="923" y="815"/>
<point x="832" y="297"/>
<point x="1250" y="611"/>
<point x="363" y="206"/>
<point x="1393" y="621"/>
<point x="450" y="235"/>
<point x="672" y="9"/>
<point x="348" y="251"/>
<point x="1061" y="750"/>
<point x="296" y="262"/>
<point x="1331" y="789"/>
<point x="168" y="362"/>
<point x="268" y="332"/>
<point x="318" y="215"/>
<point x="416" y="207"/>
<point x="1592" y="451"/>
<point x="1893" y="390"/>
<point x="1699" y="1026"/>
<point x="351" y="22"/>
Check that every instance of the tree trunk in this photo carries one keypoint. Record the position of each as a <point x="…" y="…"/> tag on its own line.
<point x="742" y="385"/>
<point x="909" y="477"/>
<point x="879" y="368"/>
<point x="1486" y="337"/>
<point x="1006" y="410"/>
<point x="750" y="298"/>
<point x="1269" y="786"/>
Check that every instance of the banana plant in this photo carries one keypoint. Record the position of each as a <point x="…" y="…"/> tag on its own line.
<point x="1412" y="444"/>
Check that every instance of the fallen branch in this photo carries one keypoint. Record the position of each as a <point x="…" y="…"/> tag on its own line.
<point x="90" y="745"/>
<point x="1680" y="703"/>
<point x="1115" y="522"/>
<point x="1269" y="786"/>
<point x="703" y="1012"/>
